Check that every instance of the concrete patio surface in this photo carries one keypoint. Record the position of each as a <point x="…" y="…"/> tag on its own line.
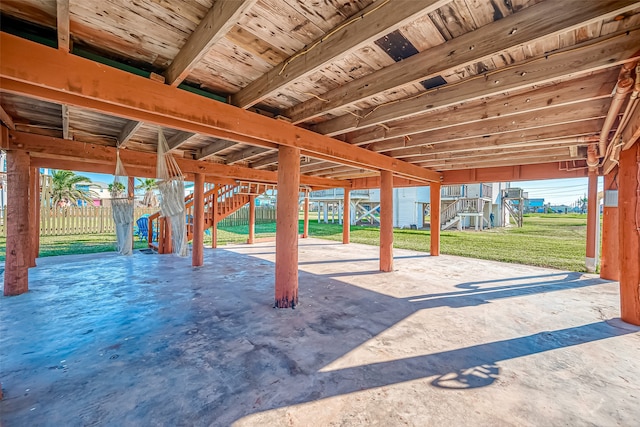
<point x="149" y="340"/>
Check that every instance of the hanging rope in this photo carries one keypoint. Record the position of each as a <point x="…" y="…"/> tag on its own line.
<point x="171" y="186"/>
<point x="122" y="209"/>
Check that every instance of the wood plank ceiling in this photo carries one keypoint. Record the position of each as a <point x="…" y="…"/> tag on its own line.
<point x="444" y="84"/>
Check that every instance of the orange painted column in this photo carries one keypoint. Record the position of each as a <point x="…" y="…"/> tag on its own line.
<point x="197" y="251"/>
<point x="305" y="232"/>
<point x="434" y="222"/>
<point x="18" y="250"/>
<point x="286" y="293"/>
<point x="214" y="218"/>
<point x="629" y="223"/>
<point x="131" y="190"/>
<point x="346" y="217"/>
<point x="386" y="221"/>
<point x="609" y="262"/>
<point x="34" y="208"/>
<point x="252" y="219"/>
<point x="592" y="221"/>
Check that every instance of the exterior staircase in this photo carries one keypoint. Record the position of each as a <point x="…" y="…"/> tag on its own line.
<point x="462" y="205"/>
<point x="219" y="202"/>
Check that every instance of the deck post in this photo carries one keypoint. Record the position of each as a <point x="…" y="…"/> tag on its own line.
<point x="197" y="249"/>
<point x="386" y="221"/>
<point x="286" y="289"/>
<point x="252" y="219"/>
<point x="34" y="213"/>
<point x="131" y="190"/>
<point x="592" y="223"/>
<point x="434" y="221"/>
<point x="609" y="263"/>
<point x="346" y="217"/>
<point x="305" y="232"/>
<point x="214" y="217"/>
<point x="628" y="211"/>
<point x="18" y="250"/>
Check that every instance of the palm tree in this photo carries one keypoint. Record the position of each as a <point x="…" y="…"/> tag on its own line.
<point x="68" y="188"/>
<point x="149" y="186"/>
<point x="117" y="189"/>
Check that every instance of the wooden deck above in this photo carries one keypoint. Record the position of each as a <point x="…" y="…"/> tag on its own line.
<point x="360" y="86"/>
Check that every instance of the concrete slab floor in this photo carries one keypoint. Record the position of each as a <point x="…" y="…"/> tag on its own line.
<point x="149" y="340"/>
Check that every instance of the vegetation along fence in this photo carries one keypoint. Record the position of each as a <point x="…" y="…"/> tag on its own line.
<point x="98" y="219"/>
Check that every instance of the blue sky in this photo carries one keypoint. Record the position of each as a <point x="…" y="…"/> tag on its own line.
<point x="554" y="191"/>
<point x="557" y="191"/>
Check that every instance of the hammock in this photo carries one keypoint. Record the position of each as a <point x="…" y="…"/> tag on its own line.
<point x="122" y="210"/>
<point x="171" y="186"/>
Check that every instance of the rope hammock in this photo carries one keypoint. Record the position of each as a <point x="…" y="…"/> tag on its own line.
<point x="122" y="210"/>
<point x="171" y="186"/>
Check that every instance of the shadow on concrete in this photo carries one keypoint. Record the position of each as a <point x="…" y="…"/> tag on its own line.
<point x="184" y="346"/>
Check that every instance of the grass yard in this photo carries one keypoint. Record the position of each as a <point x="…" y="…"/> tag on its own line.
<point x="547" y="240"/>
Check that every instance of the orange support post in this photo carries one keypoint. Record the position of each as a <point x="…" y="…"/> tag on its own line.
<point x="131" y="190"/>
<point x="386" y="221"/>
<point x="214" y="218"/>
<point x="305" y="229"/>
<point x="286" y="292"/>
<point x="18" y="251"/>
<point x="34" y="213"/>
<point x="592" y="222"/>
<point x="609" y="262"/>
<point x="434" y="221"/>
<point x="346" y="217"/>
<point x="197" y="251"/>
<point x="252" y="219"/>
<point x="629" y="223"/>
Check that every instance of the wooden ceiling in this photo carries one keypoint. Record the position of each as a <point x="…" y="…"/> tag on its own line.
<point x="442" y="84"/>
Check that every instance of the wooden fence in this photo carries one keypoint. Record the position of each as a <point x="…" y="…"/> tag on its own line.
<point x="75" y="220"/>
<point x="98" y="219"/>
<point x="264" y="215"/>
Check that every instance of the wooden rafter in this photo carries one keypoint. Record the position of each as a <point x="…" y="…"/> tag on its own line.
<point x="128" y="131"/>
<point x="597" y="54"/>
<point x="222" y="16"/>
<point x="491" y="127"/>
<point x="560" y="156"/>
<point x="506" y="105"/>
<point x="137" y="98"/>
<point x="213" y="149"/>
<point x="62" y="17"/>
<point x="7" y="119"/>
<point x="65" y="122"/>
<point x="269" y="160"/>
<point x="56" y="148"/>
<point x="377" y="20"/>
<point x="244" y="155"/>
<point x="178" y="139"/>
<point x="532" y="23"/>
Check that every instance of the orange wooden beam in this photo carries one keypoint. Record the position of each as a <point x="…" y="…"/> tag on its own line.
<point x="18" y="253"/>
<point x="286" y="289"/>
<point x="628" y="208"/>
<point x="62" y="78"/>
<point x="252" y="219"/>
<point x="90" y="154"/>
<point x="346" y="217"/>
<point x="434" y="222"/>
<point x="386" y="221"/>
<point x="197" y="251"/>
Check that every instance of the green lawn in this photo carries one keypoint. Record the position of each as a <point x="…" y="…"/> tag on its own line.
<point x="547" y="240"/>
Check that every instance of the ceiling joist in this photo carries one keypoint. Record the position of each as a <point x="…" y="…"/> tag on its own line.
<point x="137" y="98"/>
<point x="597" y="54"/>
<point x="377" y="20"/>
<point x="533" y="23"/>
